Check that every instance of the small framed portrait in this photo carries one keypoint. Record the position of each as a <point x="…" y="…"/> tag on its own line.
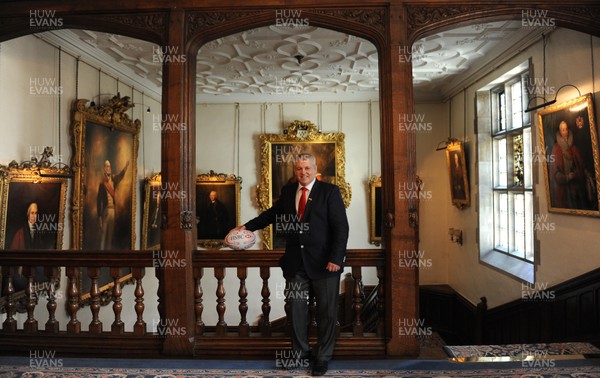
<point x="217" y="207"/>
<point x="151" y="217"/>
<point x="457" y="172"/>
<point x="105" y="141"/>
<point x="375" y="211"/>
<point x="277" y="159"/>
<point x="32" y="218"/>
<point x="571" y="163"/>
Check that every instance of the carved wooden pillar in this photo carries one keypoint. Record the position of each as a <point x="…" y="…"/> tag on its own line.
<point x="178" y="168"/>
<point x="398" y="169"/>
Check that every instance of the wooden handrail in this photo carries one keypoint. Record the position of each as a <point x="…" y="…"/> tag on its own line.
<point x="260" y="258"/>
<point x="145" y="258"/>
<point x="73" y="258"/>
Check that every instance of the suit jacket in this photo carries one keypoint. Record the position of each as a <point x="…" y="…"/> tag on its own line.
<point x="320" y="238"/>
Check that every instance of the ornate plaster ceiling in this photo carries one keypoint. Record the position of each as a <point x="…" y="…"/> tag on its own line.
<point x="302" y="63"/>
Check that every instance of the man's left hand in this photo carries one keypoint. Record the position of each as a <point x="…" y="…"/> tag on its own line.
<point x="331" y="267"/>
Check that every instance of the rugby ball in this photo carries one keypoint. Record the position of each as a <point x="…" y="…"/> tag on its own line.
<point x="240" y="239"/>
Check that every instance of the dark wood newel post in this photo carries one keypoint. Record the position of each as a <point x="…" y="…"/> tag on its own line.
<point x="398" y="173"/>
<point x="178" y="166"/>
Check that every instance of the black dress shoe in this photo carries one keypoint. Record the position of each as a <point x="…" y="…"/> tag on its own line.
<point x="319" y="368"/>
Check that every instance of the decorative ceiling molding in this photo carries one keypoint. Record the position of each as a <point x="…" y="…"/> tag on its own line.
<point x="288" y="62"/>
<point x="305" y="63"/>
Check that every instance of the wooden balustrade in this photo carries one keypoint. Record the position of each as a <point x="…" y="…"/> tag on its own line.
<point x="212" y="340"/>
<point x="73" y="339"/>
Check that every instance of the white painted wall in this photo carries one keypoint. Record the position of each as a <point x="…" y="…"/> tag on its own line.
<point x="566" y="253"/>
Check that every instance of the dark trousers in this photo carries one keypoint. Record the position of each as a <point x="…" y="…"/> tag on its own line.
<point x="326" y="292"/>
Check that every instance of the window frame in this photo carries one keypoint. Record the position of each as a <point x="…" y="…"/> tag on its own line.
<point x="492" y="127"/>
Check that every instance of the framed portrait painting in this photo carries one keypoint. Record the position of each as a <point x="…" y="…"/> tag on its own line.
<point x="32" y="218"/>
<point x="569" y="145"/>
<point x="217" y="207"/>
<point x="278" y="153"/>
<point x="105" y="141"/>
<point x="151" y="217"/>
<point x="457" y="172"/>
<point x="375" y="211"/>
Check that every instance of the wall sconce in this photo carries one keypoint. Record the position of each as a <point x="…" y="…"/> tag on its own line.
<point x="547" y="103"/>
<point x="444" y="144"/>
<point x="456" y="235"/>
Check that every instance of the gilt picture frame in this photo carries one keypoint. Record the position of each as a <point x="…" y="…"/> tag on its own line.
<point x="217" y="207"/>
<point x="152" y="215"/>
<point x="105" y="144"/>
<point x="569" y="149"/>
<point x="375" y="211"/>
<point x="458" y="175"/>
<point x="32" y="218"/>
<point x="277" y="156"/>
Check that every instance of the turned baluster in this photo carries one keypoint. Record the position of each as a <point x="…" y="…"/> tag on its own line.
<point x="160" y="292"/>
<point x="380" y="301"/>
<point x="52" y="324"/>
<point x="221" y="328"/>
<point x="95" y="325"/>
<point x="265" y="273"/>
<point x="10" y="323"/>
<point x="198" y="306"/>
<point x="357" y="325"/>
<point x="244" y="327"/>
<point x="74" y="325"/>
<point x="118" y="327"/>
<point x="139" y="328"/>
<point x="30" y="325"/>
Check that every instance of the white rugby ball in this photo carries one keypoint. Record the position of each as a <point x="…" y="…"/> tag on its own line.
<point x="240" y="239"/>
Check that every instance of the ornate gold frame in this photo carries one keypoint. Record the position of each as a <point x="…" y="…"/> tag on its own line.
<point x="34" y="175"/>
<point x="37" y="175"/>
<point x="151" y="218"/>
<point x="375" y="210"/>
<point x="108" y="119"/>
<point x="218" y="181"/>
<point x="460" y="176"/>
<point x="297" y="136"/>
<point x="549" y="120"/>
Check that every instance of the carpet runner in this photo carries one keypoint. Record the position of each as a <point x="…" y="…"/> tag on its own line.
<point x="540" y="350"/>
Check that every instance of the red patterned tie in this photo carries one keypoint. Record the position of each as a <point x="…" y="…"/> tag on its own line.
<point x="302" y="203"/>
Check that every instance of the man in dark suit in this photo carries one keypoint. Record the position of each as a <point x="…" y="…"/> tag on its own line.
<point x="313" y="216"/>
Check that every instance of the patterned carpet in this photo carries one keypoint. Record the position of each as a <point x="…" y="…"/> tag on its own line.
<point x="521" y="350"/>
<point x="111" y="368"/>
